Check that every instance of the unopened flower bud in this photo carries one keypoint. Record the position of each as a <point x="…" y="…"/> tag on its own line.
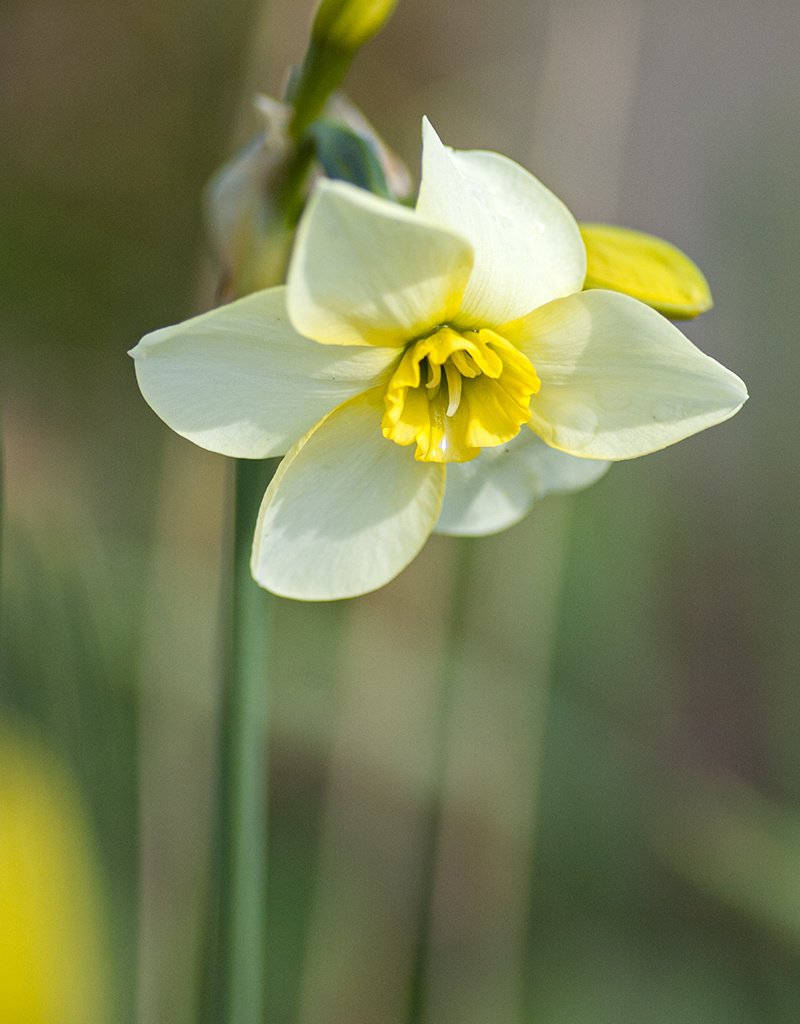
<point x="348" y="24"/>
<point x="646" y="267"/>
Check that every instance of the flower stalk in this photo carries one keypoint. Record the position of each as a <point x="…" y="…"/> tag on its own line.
<point x="458" y="637"/>
<point x="255" y="207"/>
<point x="340" y="29"/>
<point x="238" y="937"/>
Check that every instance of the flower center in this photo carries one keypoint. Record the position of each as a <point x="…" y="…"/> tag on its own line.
<point x="457" y="392"/>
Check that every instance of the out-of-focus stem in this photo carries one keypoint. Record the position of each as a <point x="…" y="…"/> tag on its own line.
<point x="236" y="981"/>
<point x="322" y="71"/>
<point x="457" y="638"/>
<point x="340" y="29"/>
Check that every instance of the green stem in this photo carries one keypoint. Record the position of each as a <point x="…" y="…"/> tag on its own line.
<point x="236" y="973"/>
<point x="292" y="190"/>
<point x="457" y="643"/>
<point x="322" y="71"/>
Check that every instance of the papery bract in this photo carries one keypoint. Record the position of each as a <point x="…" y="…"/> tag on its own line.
<point x="249" y="228"/>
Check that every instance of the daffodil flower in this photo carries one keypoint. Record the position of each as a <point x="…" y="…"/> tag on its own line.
<point x="429" y="369"/>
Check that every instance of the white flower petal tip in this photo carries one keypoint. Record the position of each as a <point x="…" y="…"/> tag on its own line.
<point x="347" y="510"/>
<point x="368" y="271"/>
<point x="241" y="381"/>
<point x="528" y="246"/>
<point x="500" y="487"/>
<point x="618" y="379"/>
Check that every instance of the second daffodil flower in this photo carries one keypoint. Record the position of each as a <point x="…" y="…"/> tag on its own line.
<point x="429" y="369"/>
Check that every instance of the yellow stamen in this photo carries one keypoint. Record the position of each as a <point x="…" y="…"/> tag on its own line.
<point x="465" y="365"/>
<point x="487" y="399"/>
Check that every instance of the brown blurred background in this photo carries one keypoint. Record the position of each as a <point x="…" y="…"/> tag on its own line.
<point x="627" y="703"/>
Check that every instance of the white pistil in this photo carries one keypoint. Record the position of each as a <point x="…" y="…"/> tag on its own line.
<point x="453" y="387"/>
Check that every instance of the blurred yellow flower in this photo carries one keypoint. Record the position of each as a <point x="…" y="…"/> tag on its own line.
<point x="54" y="966"/>
<point x="451" y="327"/>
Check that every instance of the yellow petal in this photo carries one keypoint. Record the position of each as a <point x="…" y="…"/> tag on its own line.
<point x="646" y="267"/>
<point x="452" y="421"/>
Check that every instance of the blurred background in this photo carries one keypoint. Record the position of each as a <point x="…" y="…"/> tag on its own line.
<point x="620" y="755"/>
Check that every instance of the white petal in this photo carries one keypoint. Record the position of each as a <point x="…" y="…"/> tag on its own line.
<point x="528" y="248"/>
<point x="240" y="380"/>
<point x="619" y="380"/>
<point x="500" y="486"/>
<point x="347" y="509"/>
<point x="368" y="271"/>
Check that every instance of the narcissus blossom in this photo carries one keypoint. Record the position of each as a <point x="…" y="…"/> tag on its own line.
<point x="429" y="369"/>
